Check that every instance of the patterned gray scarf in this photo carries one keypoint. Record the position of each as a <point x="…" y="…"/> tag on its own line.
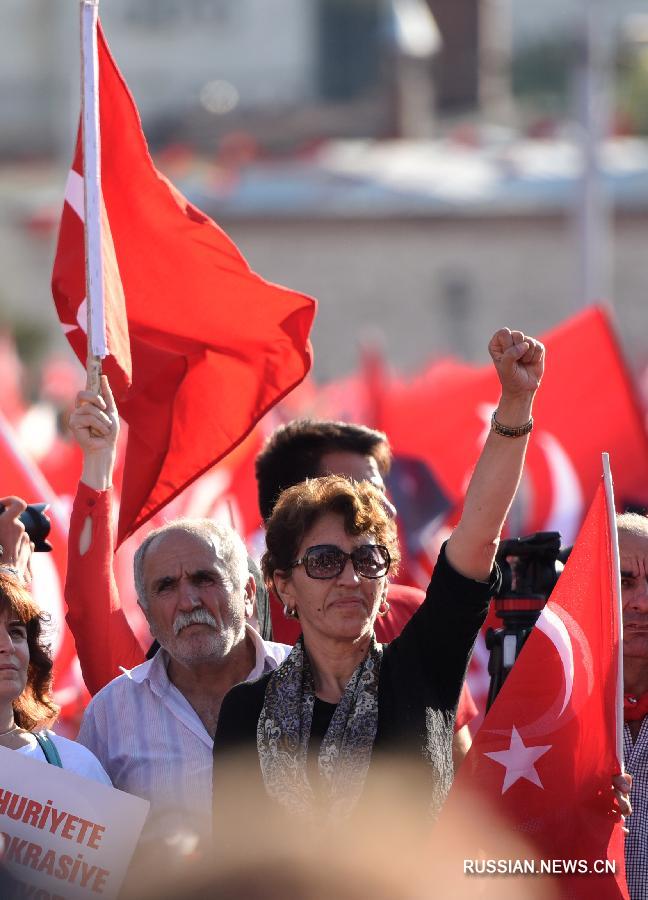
<point x="284" y="730"/>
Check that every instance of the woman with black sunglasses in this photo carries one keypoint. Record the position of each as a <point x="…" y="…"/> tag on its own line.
<point x="316" y="724"/>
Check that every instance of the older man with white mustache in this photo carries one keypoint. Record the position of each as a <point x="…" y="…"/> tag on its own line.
<point x="153" y="727"/>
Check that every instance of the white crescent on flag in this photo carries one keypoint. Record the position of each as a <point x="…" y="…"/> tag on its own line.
<point x="554" y="628"/>
<point x="567" y="495"/>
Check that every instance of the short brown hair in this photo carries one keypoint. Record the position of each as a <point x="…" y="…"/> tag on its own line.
<point x="35" y="707"/>
<point x="294" y="452"/>
<point x="361" y="505"/>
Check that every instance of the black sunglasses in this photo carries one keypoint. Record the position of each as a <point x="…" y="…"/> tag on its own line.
<point x="328" y="561"/>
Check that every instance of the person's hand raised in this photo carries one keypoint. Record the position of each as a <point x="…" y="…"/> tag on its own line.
<point x="94" y="421"/>
<point x="95" y="426"/>
<point x="519" y="361"/>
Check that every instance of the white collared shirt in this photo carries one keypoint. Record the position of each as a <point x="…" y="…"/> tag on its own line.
<point x="152" y="743"/>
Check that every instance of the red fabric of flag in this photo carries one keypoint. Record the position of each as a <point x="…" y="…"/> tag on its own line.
<point x="212" y="345"/>
<point x="545" y="754"/>
<point x="443" y="417"/>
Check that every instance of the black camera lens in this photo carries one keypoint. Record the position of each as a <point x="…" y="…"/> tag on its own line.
<point x="37" y="525"/>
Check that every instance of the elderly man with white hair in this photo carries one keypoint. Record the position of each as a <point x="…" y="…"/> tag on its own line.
<point x="153" y="727"/>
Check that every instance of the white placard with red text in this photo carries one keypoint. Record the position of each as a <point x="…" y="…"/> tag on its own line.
<point x="66" y="837"/>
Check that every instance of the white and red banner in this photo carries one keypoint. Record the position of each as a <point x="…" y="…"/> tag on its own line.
<point x="65" y="837"/>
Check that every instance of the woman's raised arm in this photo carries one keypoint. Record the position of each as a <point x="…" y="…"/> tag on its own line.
<point x="519" y="361"/>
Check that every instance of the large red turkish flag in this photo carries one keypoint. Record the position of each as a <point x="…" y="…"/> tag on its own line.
<point x="545" y="754"/>
<point x="201" y="347"/>
<point x="587" y="404"/>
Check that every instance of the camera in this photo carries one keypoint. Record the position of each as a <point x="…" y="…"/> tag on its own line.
<point x="530" y="568"/>
<point x="37" y="525"/>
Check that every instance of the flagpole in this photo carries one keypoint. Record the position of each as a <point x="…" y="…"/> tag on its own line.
<point x="616" y="594"/>
<point x="96" y="329"/>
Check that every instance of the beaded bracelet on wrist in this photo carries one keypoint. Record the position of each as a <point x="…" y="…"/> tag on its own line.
<point x="505" y="431"/>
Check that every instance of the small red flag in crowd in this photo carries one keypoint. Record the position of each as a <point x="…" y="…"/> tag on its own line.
<point x="200" y="346"/>
<point x="545" y="754"/>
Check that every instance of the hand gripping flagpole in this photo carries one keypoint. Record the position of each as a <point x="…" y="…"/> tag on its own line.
<point x="92" y="192"/>
<point x="616" y="595"/>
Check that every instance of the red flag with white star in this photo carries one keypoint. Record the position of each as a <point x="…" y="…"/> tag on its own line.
<point x="200" y="347"/>
<point x="544" y="757"/>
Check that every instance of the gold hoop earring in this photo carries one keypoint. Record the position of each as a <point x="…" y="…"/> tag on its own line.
<point x="383" y="612"/>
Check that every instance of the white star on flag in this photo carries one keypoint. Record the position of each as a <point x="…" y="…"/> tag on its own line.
<point x="519" y="761"/>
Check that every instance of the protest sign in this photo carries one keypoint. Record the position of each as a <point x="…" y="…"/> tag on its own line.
<point x="66" y="837"/>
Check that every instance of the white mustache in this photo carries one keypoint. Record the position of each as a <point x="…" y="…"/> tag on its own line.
<point x="199" y="616"/>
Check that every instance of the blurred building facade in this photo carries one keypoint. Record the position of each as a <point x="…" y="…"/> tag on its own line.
<point x="285" y="70"/>
<point x="198" y="66"/>
<point x="434" y="280"/>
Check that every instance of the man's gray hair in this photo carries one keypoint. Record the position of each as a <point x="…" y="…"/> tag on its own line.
<point x="632" y="523"/>
<point x="228" y="544"/>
